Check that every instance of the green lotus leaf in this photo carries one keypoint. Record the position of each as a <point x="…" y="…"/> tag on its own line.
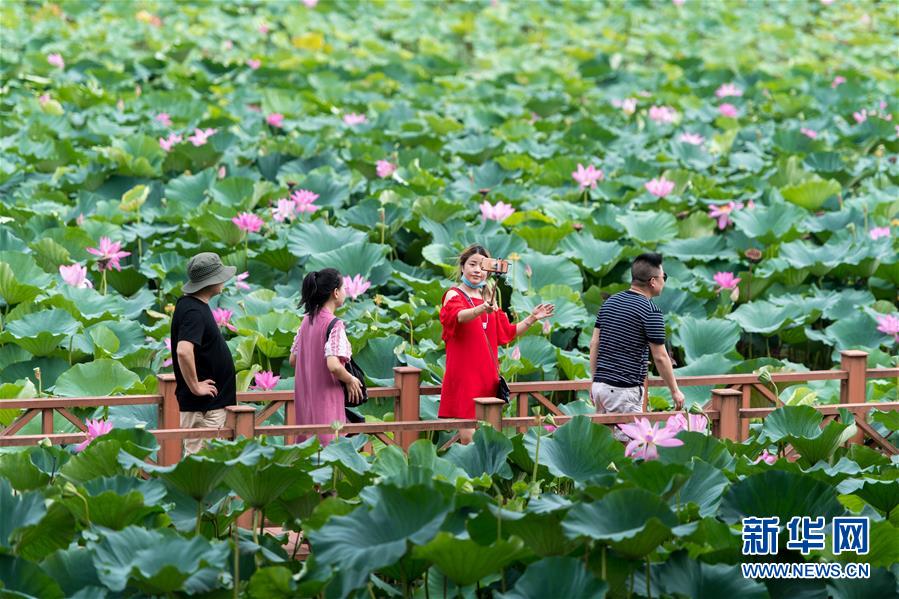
<point x="800" y="426"/>
<point x="22" y="578"/>
<point x="547" y="270"/>
<point x="703" y="249"/>
<point x="764" y="317"/>
<point x="187" y="192"/>
<point x="156" y="561"/>
<point x="236" y="192"/>
<point x="97" y="378"/>
<point x="21" y="389"/>
<point x="781" y="494"/>
<point x="700" y="337"/>
<point x="371" y="538"/>
<point x="568" y="314"/>
<point x="579" y="450"/>
<point x="680" y="575"/>
<point x="420" y="467"/>
<point x="557" y="577"/>
<point x="40" y="333"/>
<point x="486" y="455"/>
<point x="881" y="583"/>
<point x="770" y="224"/>
<point x="881" y="494"/>
<point x="633" y="521"/>
<point x="19" y="511"/>
<point x="21" y="473"/>
<point x="811" y="194"/>
<point x="649" y="227"/>
<point x="366" y="259"/>
<point x="21" y="279"/>
<point x="73" y="568"/>
<point x="259" y="487"/>
<point x="698" y="446"/>
<point x="594" y="254"/>
<point x="465" y="562"/>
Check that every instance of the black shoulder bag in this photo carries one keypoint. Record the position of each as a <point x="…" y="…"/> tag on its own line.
<point x="353" y="369"/>
<point x="502" y="391"/>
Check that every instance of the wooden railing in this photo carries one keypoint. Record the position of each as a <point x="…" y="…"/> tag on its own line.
<point x="729" y="409"/>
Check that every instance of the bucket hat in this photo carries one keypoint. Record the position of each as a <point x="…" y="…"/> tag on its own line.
<point x="206" y="269"/>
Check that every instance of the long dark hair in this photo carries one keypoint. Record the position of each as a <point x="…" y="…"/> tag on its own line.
<point x="318" y="287"/>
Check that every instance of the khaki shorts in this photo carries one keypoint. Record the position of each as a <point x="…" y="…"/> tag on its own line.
<point x="617" y="400"/>
<point x="209" y="419"/>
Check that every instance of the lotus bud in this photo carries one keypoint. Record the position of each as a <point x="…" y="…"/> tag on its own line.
<point x="549" y="419"/>
<point x="170" y="308"/>
<point x="765" y="377"/>
<point x="336" y="426"/>
<point x="378" y="299"/>
<point x="37" y="373"/>
<point x="69" y="489"/>
<point x="45" y="443"/>
<point x="735" y="294"/>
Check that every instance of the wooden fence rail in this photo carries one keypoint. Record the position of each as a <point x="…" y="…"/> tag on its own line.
<point x="729" y="409"/>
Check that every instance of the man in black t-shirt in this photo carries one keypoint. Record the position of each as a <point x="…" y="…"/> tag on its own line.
<point x="204" y="369"/>
<point x="629" y="325"/>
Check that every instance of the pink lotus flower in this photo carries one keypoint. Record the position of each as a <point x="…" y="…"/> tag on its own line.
<point x="726" y="280"/>
<point x="168" y="346"/>
<point x="354" y="119"/>
<point x="164" y="119"/>
<point x="659" y="187"/>
<point x="75" y="275"/>
<point x="43" y="99"/>
<point x="587" y="177"/>
<point x="861" y="116"/>
<point x="239" y="281"/>
<point x="310" y="3"/>
<point x="768" y="458"/>
<point x="223" y="318"/>
<point x="728" y="110"/>
<point x="810" y="133"/>
<point x="662" y="114"/>
<point x="889" y="324"/>
<point x="254" y="63"/>
<point x="356" y="286"/>
<point x="227" y="44"/>
<point x="265" y="380"/>
<point x="646" y="438"/>
<point x="303" y="200"/>
<point x="95" y="428"/>
<point x="528" y="271"/>
<point x="109" y="254"/>
<point x="722" y="212"/>
<point x="628" y="106"/>
<point x="678" y="2"/>
<point x="692" y="422"/>
<point x="385" y="168"/>
<point x="547" y="327"/>
<point x="286" y="210"/>
<point x="167" y="143"/>
<point x="728" y="90"/>
<point x="222" y="172"/>
<point x="200" y="136"/>
<point x="263" y="28"/>
<point x="247" y="222"/>
<point x="878" y="232"/>
<point x="516" y="353"/>
<point x="275" y="119"/>
<point x="500" y="212"/>
<point x="693" y="139"/>
<point x="837" y="81"/>
<point x="55" y="60"/>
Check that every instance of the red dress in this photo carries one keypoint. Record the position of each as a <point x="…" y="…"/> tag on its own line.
<point x="470" y="366"/>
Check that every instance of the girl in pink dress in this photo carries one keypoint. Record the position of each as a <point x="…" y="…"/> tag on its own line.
<point x="319" y="371"/>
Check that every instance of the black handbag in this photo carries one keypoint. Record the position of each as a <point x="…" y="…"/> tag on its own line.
<point x="502" y="391"/>
<point x="354" y="370"/>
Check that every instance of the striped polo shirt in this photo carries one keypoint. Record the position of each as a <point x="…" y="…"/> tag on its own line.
<point x="627" y="323"/>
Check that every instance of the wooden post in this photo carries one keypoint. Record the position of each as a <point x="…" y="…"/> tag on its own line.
<point x="489" y="410"/>
<point x="242" y="421"/>
<point x="521" y="403"/>
<point x="852" y="389"/>
<point x="47" y="422"/>
<point x="406" y="406"/>
<point x="170" y="450"/>
<point x="745" y="402"/>
<point x="727" y="403"/>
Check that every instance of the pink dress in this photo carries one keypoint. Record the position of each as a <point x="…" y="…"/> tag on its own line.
<point x="317" y="395"/>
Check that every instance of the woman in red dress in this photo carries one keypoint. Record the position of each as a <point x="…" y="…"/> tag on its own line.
<point x="473" y="328"/>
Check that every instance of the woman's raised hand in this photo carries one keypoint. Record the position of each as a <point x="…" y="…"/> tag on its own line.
<point x="543" y="311"/>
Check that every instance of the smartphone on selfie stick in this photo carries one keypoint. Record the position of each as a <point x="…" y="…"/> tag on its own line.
<point x="495" y="265"/>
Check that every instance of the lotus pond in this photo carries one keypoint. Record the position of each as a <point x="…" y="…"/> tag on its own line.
<point x="753" y="144"/>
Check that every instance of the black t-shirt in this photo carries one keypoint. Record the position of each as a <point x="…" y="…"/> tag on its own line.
<point x="193" y="321"/>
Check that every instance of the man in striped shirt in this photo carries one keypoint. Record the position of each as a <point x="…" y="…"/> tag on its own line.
<point x="628" y="327"/>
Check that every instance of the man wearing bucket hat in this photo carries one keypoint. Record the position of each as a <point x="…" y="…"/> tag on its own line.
<point x="204" y="369"/>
